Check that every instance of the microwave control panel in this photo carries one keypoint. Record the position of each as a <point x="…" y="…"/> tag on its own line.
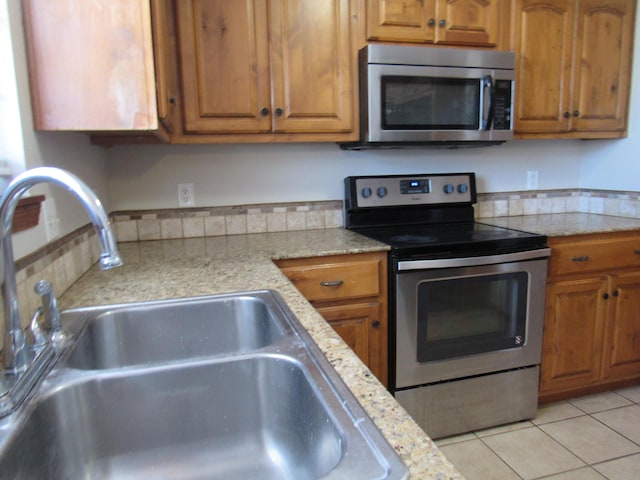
<point x="398" y="190"/>
<point x="502" y="105"/>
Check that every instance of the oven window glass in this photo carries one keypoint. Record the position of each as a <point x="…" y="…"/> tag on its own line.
<point x="469" y="315"/>
<point x="430" y="103"/>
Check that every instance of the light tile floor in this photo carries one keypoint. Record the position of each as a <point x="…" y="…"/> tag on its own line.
<point x="594" y="437"/>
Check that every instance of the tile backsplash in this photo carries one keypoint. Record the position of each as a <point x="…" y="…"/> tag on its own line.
<point x="134" y="226"/>
<point x="64" y="260"/>
<point x="617" y="203"/>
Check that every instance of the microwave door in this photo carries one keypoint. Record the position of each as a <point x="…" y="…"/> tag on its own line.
<point x="427" y="104"/>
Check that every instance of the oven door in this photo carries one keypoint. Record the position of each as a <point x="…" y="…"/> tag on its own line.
<point x="462" y="317"/>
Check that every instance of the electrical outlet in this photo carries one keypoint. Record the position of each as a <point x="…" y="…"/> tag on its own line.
<point x="532" y="179"/>
<point x="185" y="195"/>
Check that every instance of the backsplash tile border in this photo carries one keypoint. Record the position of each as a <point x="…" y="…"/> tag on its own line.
<point x="132" y="226"/>
<point x="604" y="202"/>
<point x="64" y="260"/>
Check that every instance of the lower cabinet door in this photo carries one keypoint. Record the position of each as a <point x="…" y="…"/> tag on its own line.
<point x="574" y="328"/>
<point x="363" y="328"/>
<point x="621" y="353"/>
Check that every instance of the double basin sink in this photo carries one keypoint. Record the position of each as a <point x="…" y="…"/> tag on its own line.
<point x="220" y="387"/>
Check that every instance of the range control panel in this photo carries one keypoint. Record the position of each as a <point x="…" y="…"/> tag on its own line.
<point x="397" y="190"/>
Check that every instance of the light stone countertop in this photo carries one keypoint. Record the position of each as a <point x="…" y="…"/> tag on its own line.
<point x="564" y="224"/>
<point x="203" y="266"/>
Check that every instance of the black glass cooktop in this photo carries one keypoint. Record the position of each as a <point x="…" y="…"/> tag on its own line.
<point x="471" y="238"/>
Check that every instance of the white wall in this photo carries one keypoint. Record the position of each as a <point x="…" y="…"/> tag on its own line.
<point x="144" y="177"/>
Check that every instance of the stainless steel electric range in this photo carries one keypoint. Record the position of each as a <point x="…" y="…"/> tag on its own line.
<point x="466" y="302"/>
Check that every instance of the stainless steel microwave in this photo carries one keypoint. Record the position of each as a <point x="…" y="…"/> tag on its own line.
<point x="415" y="95"/>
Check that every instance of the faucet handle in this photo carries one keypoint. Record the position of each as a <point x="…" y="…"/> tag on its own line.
<point x="39" y="338"/>
<point x="51" y="311"/>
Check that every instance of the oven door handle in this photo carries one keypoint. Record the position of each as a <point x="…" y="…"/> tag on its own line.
<point x="473" y="261"/>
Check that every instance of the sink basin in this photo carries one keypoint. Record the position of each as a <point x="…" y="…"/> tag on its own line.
<point x="257" y="417"/>
<point x="171" y="330"/>
<point x="219" y="387"/>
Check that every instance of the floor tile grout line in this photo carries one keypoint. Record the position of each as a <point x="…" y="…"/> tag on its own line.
<point x="614" y="430"/>
<point x="584" y="460"/>
<point x="586" y="464"/>
<point x="564" y="472"/>
<point x="570" y="401"/>
<point x="501" y="459"/>
<point x="613" y="459"/>
<point x="561" y="420"/>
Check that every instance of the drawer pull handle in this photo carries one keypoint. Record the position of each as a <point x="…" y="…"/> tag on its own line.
<point x="580" y="259"/>
<point x="333" y="283"/>
<point x="636" y="252"/>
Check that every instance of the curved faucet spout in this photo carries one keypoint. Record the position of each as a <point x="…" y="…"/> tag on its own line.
<point x="16" y="355"/>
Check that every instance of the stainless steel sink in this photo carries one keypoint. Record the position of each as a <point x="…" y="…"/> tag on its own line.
<point x="270" y="407"/>
<point x="258" y="417"/>
<point x="153" y="332"/>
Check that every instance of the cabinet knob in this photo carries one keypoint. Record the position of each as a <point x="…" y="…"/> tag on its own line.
<point x="279" y="112"/>
<point x="375" y="324"/>
<point x="616" y="293"/>
<point x="566" y="115"/>
<point x="605" y="296"/>
<point x="442" y="22"/>
<point x="636" y="252"/>
<point x="584" y="258"/>
<point x="332" y="283"/>
<point x="576" y="113"/>
<point x="264" y="112"/>
<point x="431" y="22"/>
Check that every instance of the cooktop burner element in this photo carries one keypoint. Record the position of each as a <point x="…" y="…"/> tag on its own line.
<point x="428" y="215"/>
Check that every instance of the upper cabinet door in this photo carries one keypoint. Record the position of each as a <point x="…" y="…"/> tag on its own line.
<point x="467" y="22"/>
<point x="166" y="63"/>
<point x="311" y="66"/>
<point x="264" y="67"/>
<point x="604" y="43"/>
<point x="573" y="68"/>
<point x="224" y="54"/>
<point x="447" y="22"/>
<point x="401" y="20"/>
<point x="543" y="34"/>
<point x="91" y="65"/>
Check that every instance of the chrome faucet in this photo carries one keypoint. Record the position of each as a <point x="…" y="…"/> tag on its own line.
<point x="17" y="356"/>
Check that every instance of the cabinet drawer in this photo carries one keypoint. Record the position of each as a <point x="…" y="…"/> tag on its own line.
<point x="594" y="255"/>
<point x="336" y="281"/>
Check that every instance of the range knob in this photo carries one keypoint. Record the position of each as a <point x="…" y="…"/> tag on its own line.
<point x="366" y="192"/>
<point x="462" y="188"/>
<point x="448" y="188"/>
<point x="382" y="191"/>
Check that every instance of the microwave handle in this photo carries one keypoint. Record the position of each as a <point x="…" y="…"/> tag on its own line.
<point x="487" y="102"/>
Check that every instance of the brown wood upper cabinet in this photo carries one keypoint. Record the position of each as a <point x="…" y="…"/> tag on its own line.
<point x="447" y="22"/>
<point x="267" y="68"/>
<point x="95" y="70"/>
<point x="573" y="67"/>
